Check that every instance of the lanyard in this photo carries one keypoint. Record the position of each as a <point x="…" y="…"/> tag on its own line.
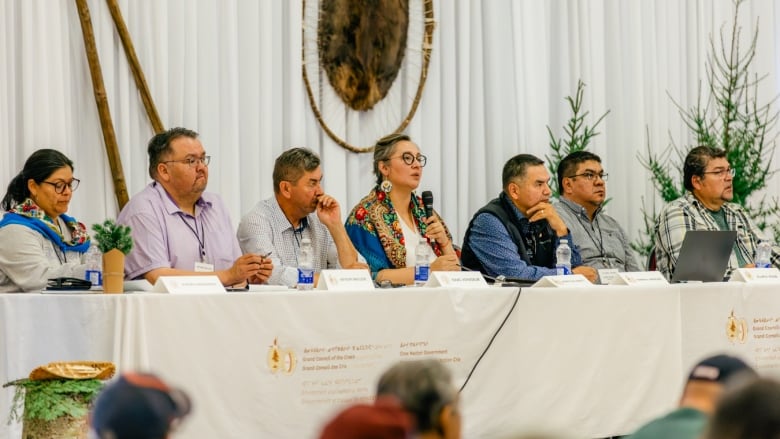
<point x="600" y="243"/>
<point x="194" y="230"/>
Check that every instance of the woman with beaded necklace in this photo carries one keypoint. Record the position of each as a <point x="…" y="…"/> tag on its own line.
<point x="387" y="224"/>
<point x="38" y="241"/>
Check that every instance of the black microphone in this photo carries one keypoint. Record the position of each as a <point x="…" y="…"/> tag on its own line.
<point x="427" y="197"/>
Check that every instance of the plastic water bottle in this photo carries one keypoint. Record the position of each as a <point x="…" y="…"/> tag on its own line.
<point x="93" y="259"/>
<point x="764" y="255"/>
<point x="422" y="265"/>
<point x="305" y="265"/>
<point x="563" y="258"/>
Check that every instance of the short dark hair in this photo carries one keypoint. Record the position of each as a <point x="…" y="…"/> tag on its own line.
<point x="696" y="162"/>
<point x="424" y="388"/>
<point x="39" y="166"/>
<point x="748" y="409"/>
<point x="569" y="164"/>
<point x="516" y="167"/>
<point x="160" y="146"/>
<point x="384" y="148"/>
<point x="291" y="165"/>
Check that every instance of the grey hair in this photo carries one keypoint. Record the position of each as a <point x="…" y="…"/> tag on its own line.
<point x="424" y="388"/>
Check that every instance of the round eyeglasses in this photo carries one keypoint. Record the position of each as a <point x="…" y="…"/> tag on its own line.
<point x="59" y="186"/>
<point x="409" y="158"/>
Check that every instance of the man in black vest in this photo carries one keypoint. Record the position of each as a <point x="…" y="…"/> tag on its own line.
<point x="516" y="234"/>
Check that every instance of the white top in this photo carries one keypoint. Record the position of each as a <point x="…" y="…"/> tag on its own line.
<point x="28" y="259"/>
<point x="411" y="239"/>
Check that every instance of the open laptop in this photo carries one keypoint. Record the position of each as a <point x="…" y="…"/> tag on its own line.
<point x="704" y="255"/>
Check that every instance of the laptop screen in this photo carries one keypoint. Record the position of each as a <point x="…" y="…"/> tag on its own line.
<point x="704" y="255"/>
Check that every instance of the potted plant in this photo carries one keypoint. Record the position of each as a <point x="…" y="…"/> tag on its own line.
<point x="115" y="241"/>
<point x="55" y="400"/>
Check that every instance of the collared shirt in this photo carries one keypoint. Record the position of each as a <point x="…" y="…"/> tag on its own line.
<point x="266" y="229"/>
<point x="602" y="243"/>
<point x="688" y="213"/>
<point x="164" y="236"/>
<point x="492" y="245"/>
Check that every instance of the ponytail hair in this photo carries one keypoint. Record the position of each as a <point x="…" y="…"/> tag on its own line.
<point x="39" y="166"/>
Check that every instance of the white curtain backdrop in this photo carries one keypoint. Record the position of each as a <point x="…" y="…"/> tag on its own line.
<point x="232" y="70"/>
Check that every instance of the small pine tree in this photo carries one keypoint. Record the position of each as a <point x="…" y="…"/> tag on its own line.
<point x="578" y="135"/>
<point x="730" y="119"/>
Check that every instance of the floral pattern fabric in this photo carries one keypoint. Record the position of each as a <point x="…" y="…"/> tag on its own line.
<point x="375" y="230"/>
<point x="27" y="213"/>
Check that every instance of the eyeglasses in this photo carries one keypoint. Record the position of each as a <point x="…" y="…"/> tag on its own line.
<point x="59" y="186"/>
<point x="192" y="161"/>
<point x="409" y="158"/>
<point x="590" y="176"/>
<point x="721" y="173"/>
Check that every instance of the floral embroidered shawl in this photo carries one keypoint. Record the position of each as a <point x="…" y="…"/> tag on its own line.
<point x="375" y="230"/>
<point x="28" y="214"/>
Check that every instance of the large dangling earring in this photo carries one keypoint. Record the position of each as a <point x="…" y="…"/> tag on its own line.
<point x="386" y="186"/>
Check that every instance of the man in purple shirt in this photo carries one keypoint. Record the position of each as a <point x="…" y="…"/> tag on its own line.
<point x="177" y="227"/>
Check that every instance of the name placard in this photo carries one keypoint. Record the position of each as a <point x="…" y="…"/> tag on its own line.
<point x="639" y="278"/>
<point x="345" y="280"/>
<point x="606" y="275"/>
<point x="456" y="279"/>
<point x="756" y="275"/>
<point x="188" y="285"/>
<point x="569" y="280"/>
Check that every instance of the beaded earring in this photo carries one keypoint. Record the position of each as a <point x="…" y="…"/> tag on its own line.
<point x="386" y="185"/>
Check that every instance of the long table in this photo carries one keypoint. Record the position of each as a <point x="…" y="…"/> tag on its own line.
<point x="593" y="361"/>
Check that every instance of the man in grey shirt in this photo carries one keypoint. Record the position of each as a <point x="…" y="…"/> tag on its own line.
<point x="299" y="209"/>
<point x="601" y="241"/>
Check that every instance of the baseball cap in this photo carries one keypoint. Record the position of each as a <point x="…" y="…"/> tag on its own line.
<point x="718" y="368"/>
<point x="385" y="419"/>
<point x="138" y="406"/>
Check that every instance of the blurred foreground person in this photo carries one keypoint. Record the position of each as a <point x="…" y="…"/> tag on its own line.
<point x="704" y="387"/>
<point x="425" y="389"/>
<point x="750" y="409"/>
<point x="385" y="419"/>
<point x="138" y="406"/>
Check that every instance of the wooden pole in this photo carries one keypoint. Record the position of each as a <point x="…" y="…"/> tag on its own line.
<point x="109" y="136"/>
<point x="135" y="66"/>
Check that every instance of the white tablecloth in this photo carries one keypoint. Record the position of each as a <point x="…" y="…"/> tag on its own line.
<point x="594" y="361"/>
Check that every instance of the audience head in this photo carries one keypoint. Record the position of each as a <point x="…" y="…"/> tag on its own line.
<point x="526" y="181"/>
<point x="581" y="179"/>
<point x="138" y="406"/>
<point x="707" y="379"/>
<point x="750" y="409"/>
<point x="385" y="419"/>
<point x="708" y="175"/>
<point x="426" y="390"/>
<point x="398" y="160"/>
<point x="47" y="179"/>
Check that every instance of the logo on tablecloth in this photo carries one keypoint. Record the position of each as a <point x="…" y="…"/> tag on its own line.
<point x="736" y="328"/>
<point x="280" y="359"/>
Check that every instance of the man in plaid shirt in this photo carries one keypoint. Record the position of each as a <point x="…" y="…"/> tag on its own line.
<point x="706" y="205"/>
